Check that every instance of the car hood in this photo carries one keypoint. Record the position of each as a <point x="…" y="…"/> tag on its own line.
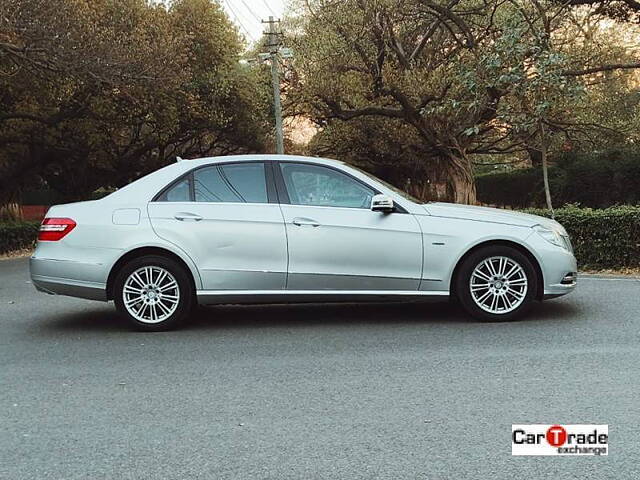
<point x="486" y="214"/>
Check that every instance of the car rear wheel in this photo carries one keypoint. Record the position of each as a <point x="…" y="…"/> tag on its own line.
<point x="154" y="293"/>
<point x="496" y="283"/>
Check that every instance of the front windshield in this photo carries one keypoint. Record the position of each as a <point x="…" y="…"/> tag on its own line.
<point x="402" y="193"/>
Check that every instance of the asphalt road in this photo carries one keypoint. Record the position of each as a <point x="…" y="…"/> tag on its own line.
<point x="388" y="391"/>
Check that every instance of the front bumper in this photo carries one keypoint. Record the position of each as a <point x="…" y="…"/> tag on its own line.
<point x="559" y="270"/>
<point x="567" y="285"/>
<point x="559" y="267"/>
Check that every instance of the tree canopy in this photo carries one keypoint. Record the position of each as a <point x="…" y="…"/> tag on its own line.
<point x="432" y="86"/>
<point x="96" y="93"/>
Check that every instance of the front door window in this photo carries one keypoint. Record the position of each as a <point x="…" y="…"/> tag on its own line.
<point x="324" y="187"/>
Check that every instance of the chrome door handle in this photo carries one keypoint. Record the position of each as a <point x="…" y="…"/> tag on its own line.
<point x="300" y="221"/>
<point x="188" y="216"/>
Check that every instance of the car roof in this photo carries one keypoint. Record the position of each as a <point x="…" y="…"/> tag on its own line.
<point x="260" y="156"/>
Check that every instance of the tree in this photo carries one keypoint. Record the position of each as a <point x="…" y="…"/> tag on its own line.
<point x="98" y="93"/>
<point x="449" y="71"/>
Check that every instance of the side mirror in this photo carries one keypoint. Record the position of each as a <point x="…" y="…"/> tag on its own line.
<point x="382" y="203"/>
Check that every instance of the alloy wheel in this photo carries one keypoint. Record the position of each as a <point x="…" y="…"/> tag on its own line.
<point x="498" y="285"/>
<point x="151" y="294"/>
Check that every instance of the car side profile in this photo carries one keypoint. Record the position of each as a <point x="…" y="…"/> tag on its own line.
<point x="286" y="229"/>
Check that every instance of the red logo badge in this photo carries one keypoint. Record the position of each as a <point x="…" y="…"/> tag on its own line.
<point x="556" y="436"/>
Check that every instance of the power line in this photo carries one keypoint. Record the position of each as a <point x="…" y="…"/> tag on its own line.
<point x="269" y="8"/>
<point x="236" y="16"/>
<point x="251" y="11"/>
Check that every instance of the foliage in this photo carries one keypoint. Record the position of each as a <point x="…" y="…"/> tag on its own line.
<point x="461" y="79"/>
<point x="18" y="235"/>
<point x="381" y="147"/>
<point x="98" y="93"/>
<point x="606" y="238"/>
<point x="596" y="180"/>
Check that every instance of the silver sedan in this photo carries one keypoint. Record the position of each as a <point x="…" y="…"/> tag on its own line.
<point x="284" y="229"/>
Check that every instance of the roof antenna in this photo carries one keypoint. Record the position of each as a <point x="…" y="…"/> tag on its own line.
<point x="178" y="159"/>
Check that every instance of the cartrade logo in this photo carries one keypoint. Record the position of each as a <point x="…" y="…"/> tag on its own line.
<point x="559" y="439"/>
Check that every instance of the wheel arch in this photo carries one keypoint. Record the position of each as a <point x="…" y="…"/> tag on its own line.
<point x="506" y="243"/>
<point x="138" y="252"/>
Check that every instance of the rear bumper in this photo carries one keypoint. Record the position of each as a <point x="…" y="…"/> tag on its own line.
<point x="61" y="277"/>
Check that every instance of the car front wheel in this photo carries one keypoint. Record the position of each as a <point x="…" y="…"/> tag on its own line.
<point x="154" y="293"/>
<point x="497" y="283"/>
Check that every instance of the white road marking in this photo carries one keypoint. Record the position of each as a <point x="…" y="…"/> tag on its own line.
<point x="609" y="279"/>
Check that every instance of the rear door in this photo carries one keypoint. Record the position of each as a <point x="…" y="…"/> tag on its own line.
<point x="226" y="218"/>
<point x="336" y="242"/>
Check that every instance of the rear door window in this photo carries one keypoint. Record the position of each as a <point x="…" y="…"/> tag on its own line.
<point x="237" y="183"/>
<point x="227" y="183"/>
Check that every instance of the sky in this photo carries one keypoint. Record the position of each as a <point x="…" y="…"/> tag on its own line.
<point x="247" y="14"/>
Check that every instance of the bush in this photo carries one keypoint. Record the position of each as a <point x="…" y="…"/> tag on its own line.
<point x="597" y="180"/>
<point x="514" y="189"/>
<point x="607" y="238"/>
<point x="18" y="235"/>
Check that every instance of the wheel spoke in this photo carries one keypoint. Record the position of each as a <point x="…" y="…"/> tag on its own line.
<point x="161" y="277"/>
<point x="494" y="300"/>
<point x="478" y="287"/>
<point x="137" y="279"/>
<point x="508" y="303"/>
<point x="482" y="275"/>
<point x="133" y="301"/>
<point x="169" y="286"/>
<point x="515" y="293"/>
<point x="515" y="269"/>
<point x="502" y="265"/>
<point x="498" y="298"/>
<point x="133" y="290"/>
<point x="163" y="308"/>
<point x="484" y="296"/>
<point x="490" y="266"/>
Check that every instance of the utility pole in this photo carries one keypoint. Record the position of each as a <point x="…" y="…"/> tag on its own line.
<point x="273" y="45"/>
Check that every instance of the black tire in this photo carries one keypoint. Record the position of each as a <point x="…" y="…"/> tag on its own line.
<point x="463" y="280"/>
<point x="185" y="289"/>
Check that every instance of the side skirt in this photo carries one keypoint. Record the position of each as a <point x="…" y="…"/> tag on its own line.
<point x="212" y="297"/>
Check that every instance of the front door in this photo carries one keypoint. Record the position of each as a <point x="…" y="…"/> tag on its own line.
<point x="336" y="242"/>
<point x="221" y="217"/>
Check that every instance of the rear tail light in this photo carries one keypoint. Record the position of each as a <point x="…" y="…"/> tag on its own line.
<point x="53" y="229"/>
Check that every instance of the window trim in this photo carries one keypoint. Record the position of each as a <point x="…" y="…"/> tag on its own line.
<point x="283" y="194"/>
<point x="268" y="178"/>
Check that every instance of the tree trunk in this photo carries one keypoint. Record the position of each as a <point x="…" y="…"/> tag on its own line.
<point x="447" y="179"/>
<point x="10" y="212"/>
<point x="545" y="169"/>
<point x="535" y="156"/>
<point x="454" y="181"/>
<point x="461" y="181"/>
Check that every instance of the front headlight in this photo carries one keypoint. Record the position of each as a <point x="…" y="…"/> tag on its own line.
<point x="551" y="236"/>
